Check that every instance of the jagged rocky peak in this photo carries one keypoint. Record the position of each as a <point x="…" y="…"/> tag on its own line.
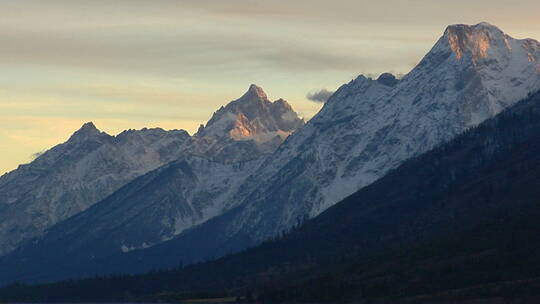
<point x="86" y="132"/>
<point x="88" y="128"/>
<point x="255" y="92"/>
<point x="252" y="116"/>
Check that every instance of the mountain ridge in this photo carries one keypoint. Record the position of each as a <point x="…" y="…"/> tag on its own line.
<point x="252" y="118"/>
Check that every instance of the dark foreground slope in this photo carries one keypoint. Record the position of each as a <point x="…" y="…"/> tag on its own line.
<point x="459" y="221"/>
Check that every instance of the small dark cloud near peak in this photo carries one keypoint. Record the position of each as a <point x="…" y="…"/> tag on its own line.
<point x="320" y="95"/>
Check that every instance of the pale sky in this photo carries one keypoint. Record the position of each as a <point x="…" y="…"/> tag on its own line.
<point x="147" y="63"/>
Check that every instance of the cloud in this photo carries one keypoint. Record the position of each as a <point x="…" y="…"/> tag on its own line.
<point x="319" y="96"/>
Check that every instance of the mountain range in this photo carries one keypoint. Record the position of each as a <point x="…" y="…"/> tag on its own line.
<point x="456" y="222"/>
<point x="91" y="165"/>
<point x="256" y="171"/>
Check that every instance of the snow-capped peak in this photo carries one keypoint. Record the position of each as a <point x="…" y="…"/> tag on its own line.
<point x="252" y="116"/>
<point x="89" y="127"/>
<point x="484" y="40"/>
<point x="475" y="39"/>
<point x="255" y="91"/>
<point x="488" y="69"/>
<point x="246" y="128"/>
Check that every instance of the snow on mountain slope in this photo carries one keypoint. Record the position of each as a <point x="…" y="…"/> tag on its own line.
<point x="369" y="127"/>
<point x="72" y="176"/>
<point x="153" y="208"/>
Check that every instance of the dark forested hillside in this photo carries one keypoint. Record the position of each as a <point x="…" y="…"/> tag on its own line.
<point x="460" y="221"/>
